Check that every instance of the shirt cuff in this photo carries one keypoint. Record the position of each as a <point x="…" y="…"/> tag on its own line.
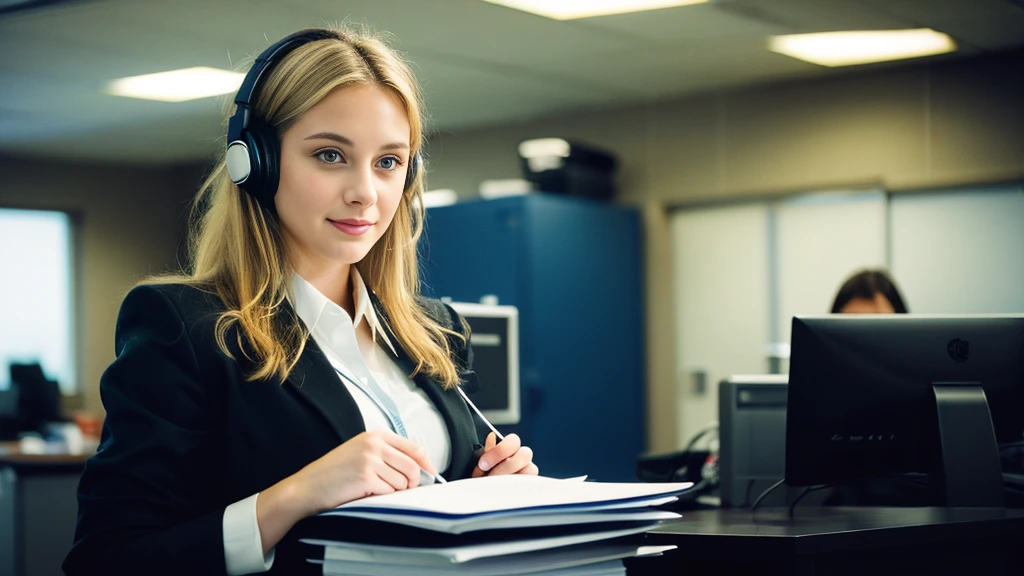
<point x="243" y="546"/>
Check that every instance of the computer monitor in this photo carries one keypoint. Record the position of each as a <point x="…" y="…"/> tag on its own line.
<point x="495" y="340"/>
<point x="877" y="395"/>
<point x="752" y="437"/>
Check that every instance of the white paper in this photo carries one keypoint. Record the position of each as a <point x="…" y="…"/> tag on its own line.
<point x="490" y="494"/>
<point x="608" y="568"/>
<point x="529" y="563"/>
<point x="521" y="519"/>
<point x="445" y="557"/>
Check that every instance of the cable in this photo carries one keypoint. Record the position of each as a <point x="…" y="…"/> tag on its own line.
<point x="816" y="487"/>
<point x="803" y="493"/>
<point x="707" y="429"/>
<point x="765" y="493"/>
<point x="747" y="493"/>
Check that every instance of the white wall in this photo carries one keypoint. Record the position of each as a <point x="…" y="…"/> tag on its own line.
<point x="821" y="239"/>
<point x="721" y="286"/>
<point x="960" y="252"/>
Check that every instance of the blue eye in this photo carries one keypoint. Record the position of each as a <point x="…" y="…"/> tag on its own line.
<point x="328" y="156"/>
<point x="389" y="163"/>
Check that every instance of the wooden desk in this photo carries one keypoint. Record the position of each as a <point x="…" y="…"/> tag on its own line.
<point x="840" y="541"/>
<point x="38" y="509"/>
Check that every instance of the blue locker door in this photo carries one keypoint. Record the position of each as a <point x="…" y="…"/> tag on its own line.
<point x="587" y="329"/>
<point x="472" y="249"/>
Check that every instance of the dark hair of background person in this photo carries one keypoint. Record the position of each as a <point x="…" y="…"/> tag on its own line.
<point x="866" y="284"/>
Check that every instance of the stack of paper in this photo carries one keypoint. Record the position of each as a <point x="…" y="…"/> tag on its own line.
<point x="492" y="526"/>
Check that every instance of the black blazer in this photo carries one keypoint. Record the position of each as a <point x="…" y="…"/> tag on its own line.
<point x="186" y="435"/>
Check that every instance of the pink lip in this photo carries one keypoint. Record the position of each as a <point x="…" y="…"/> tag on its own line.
<point x="351" y="226"/>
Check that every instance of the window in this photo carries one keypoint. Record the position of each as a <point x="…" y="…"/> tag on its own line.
<point x="36" y="312"/>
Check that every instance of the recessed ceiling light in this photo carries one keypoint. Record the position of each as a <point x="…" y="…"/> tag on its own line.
<point x="573" y="9"/>
<point x="862" y="47"/>
<point x="178" y="85"/>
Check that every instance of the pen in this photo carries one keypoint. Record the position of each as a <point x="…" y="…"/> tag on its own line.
<point x="426" y="478"/>
<point x="480" y="414"/>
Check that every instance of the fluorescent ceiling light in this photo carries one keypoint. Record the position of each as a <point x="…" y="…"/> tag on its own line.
<point x="178" y="85"/>
<point x="573" y="9"/>
<point x="862" y="47"/>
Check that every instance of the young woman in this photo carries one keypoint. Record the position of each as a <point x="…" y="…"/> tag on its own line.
<point x="296" y="367"/>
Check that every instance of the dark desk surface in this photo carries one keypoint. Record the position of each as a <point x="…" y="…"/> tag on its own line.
<point x="818" y="529"/>
<point x="826" y="537"/>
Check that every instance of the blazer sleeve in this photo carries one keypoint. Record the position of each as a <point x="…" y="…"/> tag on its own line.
<point x="148" y="499"/>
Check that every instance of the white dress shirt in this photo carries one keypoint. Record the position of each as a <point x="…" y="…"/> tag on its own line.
<point x="351" y="346"/>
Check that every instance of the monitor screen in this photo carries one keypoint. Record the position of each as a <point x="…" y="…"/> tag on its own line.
<point x="866" y="394"/>
<point x="494" y="335"/>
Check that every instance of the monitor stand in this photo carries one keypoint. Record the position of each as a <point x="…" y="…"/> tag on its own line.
<point x="971" y="474"/>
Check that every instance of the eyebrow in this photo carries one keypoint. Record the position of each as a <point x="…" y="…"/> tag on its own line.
<point x="346" y="142"/>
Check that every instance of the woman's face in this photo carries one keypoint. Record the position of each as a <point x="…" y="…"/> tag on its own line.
<point x="877" y="305"/>
<point x="343" y="166"/>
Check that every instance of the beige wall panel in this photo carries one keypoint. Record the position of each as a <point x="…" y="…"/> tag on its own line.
<point x="977" y="129"/>
<point x="683" y="152"/>
<point x="803" y="135"/>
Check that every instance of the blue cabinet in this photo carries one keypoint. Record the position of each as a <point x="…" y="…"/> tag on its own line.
<point x="574" y="269"/>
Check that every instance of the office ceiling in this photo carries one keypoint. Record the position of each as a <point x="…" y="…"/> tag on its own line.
<point x="480" y="64"/>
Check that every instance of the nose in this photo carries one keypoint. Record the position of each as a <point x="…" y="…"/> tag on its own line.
<point x="360" y="189"/>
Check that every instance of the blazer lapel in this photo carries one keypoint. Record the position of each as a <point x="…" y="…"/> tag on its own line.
<point x="449" y="403"/>
<point x="315" y="380"/>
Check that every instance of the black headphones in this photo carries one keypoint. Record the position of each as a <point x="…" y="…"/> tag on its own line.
<point x="253" y="150"/>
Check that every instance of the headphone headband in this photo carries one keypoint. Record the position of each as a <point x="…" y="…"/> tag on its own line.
<point x="272" y="55"/>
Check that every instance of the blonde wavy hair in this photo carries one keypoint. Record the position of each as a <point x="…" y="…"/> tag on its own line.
<point x="236" y="248"/>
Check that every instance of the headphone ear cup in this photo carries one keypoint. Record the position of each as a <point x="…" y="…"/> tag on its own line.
<point x="264" y="157"/>
<point x="414" y="169"/>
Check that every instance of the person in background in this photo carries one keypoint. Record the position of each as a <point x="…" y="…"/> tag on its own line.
<point x="295" y="367"/>
<point x="869" y="292"/>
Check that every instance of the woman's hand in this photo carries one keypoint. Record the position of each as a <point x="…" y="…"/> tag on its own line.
<point x="508" y="457"/>
<point x="378" y="462"/>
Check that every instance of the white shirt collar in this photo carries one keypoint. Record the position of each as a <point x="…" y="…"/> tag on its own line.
<point x="310" y="305"/>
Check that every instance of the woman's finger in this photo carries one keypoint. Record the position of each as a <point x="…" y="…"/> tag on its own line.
<point x="404" y="465"/>
<point x="515" y="463"/>
<point x="394" y="479"/>
<point x="411" y="450"/>
<point x="501" y="451"/>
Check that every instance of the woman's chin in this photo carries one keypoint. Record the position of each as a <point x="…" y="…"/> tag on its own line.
<point x="349" y="254"/>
